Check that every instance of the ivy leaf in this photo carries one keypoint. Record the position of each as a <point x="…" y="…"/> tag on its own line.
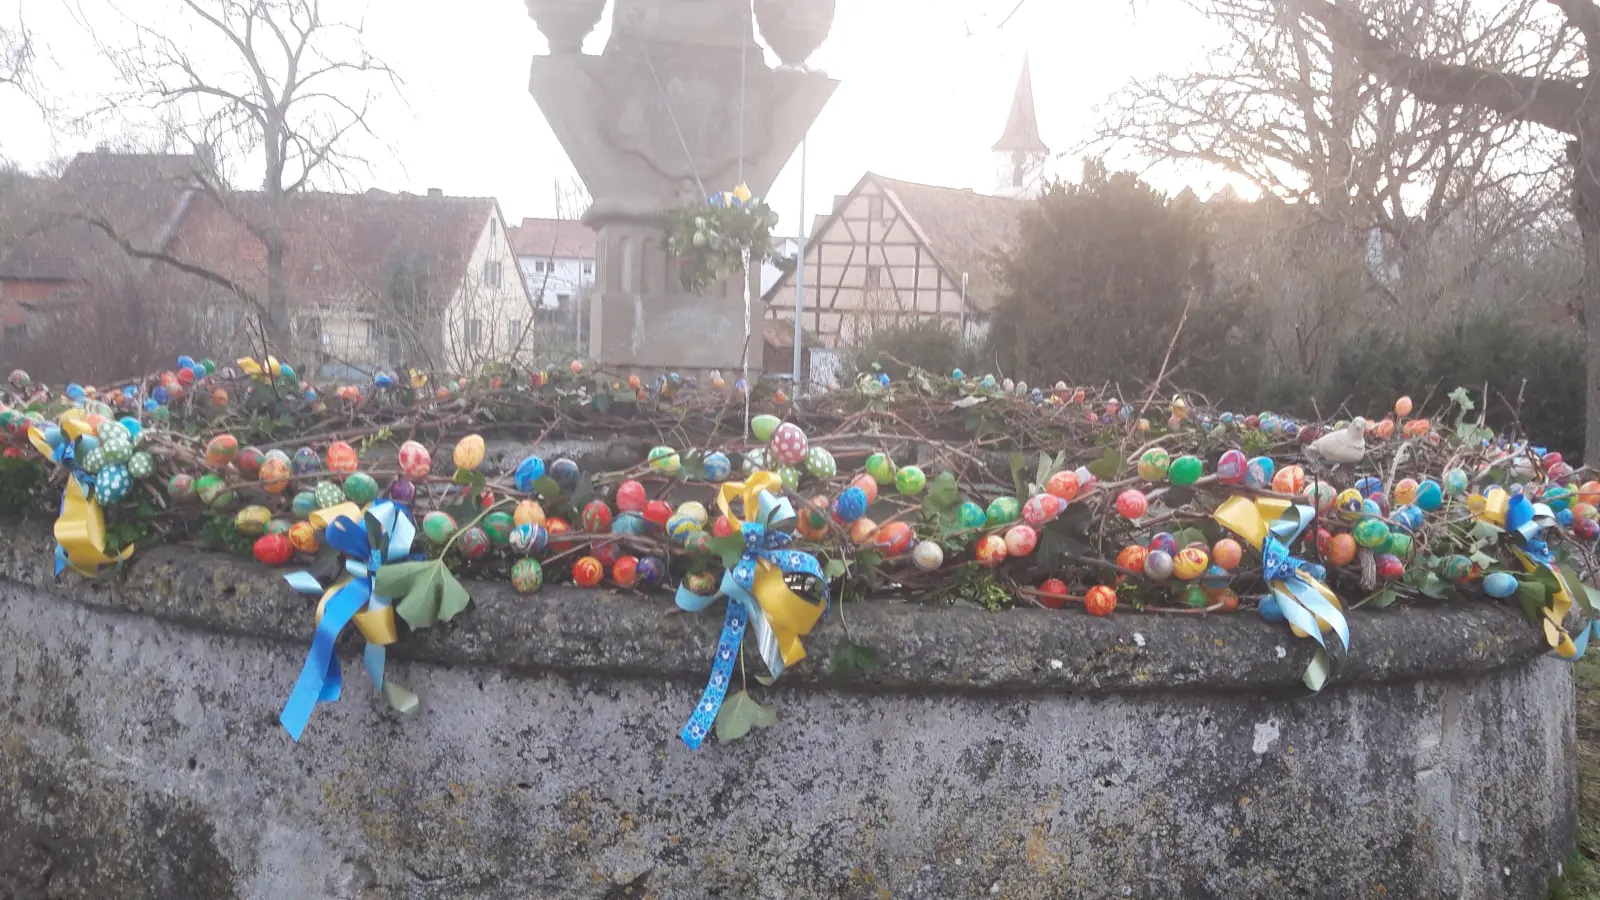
<point x="1190" y="535"/>
<point x="583" y="492"/>
<point x="420" y="608"/>
<point x="1482" y="559"/>
<point x="835" y="568"/>
<point x="740" y="712"/>
<point x="850" y="659"/>
<point x="1019" y="464"/>
<point x="453" y="597"/>
<point x="396" y="579"/>
<point x="1107" y="466"/>
<point x="1043" y="472"/>
<point x="1382" y="599"/>
<point x="969" y="402"/>
<point x="547" y="488"/>
<point x="1578" y="587"/>
<point x="1531" y="594"/>
<point x="944" y="496"/>
<point x="1484" y="532"/>
<point x="729" y="548"/>
<point x="1429" y="583"/>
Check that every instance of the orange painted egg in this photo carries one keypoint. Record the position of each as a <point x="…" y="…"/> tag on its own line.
<point x="587" y="572"/>
<point x="342" y="458"/>
<point x="528" y="512"/>
<point x="862" y="531"/>
<point x="1100" y="601"/>
<point x="991" y="551"/>
<point x="1289" y="480"/>
<point x="303" y="535"/>
<point x="812" y="522"/>
<point x="274" y="474"/>
<point x="893" y="539"/>
<point x="1063" y="485"/>
<point x="222" y="449"/>
<point x="1132" y="558"/>
<point x="1227" y="553"/>
<point x="1342" y="549"/>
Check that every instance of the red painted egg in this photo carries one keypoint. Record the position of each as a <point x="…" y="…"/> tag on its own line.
<point x="625" y="571"/>
<point x="631" y="497"/>
<point x="273" y="549"/>
<point x="587" y="571"/>
<point x="1053" y="593"/>
<point x="597" y="517"/>
<point x="657" y="512"/>
<point x="893" y="539"/>
<point x="342" y="458"/>
<point x="1100" y="601"/>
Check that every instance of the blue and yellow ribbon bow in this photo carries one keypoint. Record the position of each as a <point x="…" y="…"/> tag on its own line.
<point x="757" y="594"/>
<point x="382" y="534"/>
<point x="80" y="528"/>
<point x="1271" y="526"/>
<point x="1526" y="522"/>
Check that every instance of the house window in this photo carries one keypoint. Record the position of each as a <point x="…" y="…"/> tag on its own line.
<point x="588" y="267"/>
<point x="494" y="227"/>
<point x="513" y="331"/>
<point x="872" y="277"/>
<point x="561" y="299"/>
<point x="491" y="273"/>
<point x="474" y="331"/>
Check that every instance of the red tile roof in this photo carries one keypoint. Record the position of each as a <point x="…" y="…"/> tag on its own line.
<point x="965" y="230"/>
<point x="552" y="239"/>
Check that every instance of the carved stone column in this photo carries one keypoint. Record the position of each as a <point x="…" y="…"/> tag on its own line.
<point x="640" y="121"/>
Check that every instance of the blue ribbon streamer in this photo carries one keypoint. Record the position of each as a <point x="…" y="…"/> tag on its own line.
<point x="1526" y="521"/>
<point x="1279" y="565"/>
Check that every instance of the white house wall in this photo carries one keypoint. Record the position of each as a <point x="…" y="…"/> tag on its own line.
<point x="487" y="322"/>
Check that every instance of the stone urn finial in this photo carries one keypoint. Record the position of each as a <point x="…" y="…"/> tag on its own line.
<point x="794" y="28"/>
<point x="565" y="23"/>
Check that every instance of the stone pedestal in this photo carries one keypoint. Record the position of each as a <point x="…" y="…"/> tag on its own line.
<point x="651" y="124"/>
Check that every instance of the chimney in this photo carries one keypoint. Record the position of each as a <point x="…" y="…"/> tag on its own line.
<point x="102" y="149"/>
<point x="435" y="194"/>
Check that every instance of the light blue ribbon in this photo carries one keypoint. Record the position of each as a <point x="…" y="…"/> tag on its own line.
<point x="764" y="540"/>
<point x="1526" y="521"/>
<point x="384" y="534"/>
<point x="1279" y="565"/>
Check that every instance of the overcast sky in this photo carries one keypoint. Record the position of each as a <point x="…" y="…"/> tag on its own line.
<point x="925" y="88"/>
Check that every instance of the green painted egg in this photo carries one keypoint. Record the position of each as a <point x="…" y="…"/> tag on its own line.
<point x="971" y="515"/>
<point x="361" y="488"/>
<point x="328" y="494"/>
<point x="180" y="487"/>
<point x="498" y="526"/>
<point x="1003" y="511"/>
<point x="755" y="460"/>
<point x="764" y="425"/>
<point x="1185" y="470"/>
<point x="1194" y="595"/>
<point x="93" y="461"/>
<point x="438" y="526"/>
<point x="113" y="431"/>
<point x="527" y="576"/>
<point x="910" y="481"/>
<point x="1456" y="568"/>
<point x="1153" y="465"/>
<point x="790" y="476"/>
<point x="140" y="465"/>
<point x="1371" y="533"/>
<point x="112" y="484"/>
<point x="664" y="460"/>
<point x="820" y="463"/>
<point x="212" y="490"/>
<point x="1398" y="544"/>
<point x="303" y="505"/>
<point x="881" y="468"/>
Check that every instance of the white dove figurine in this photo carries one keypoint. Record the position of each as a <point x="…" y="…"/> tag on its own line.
<point x="1346" y="446"/>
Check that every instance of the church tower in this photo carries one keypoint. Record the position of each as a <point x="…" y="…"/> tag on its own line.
<point x="1022" y="152"/>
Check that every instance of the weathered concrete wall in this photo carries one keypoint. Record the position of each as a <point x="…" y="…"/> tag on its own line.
<point x="1015" y="755"/>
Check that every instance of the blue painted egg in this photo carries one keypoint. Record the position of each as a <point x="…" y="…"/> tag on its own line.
<point x="1500" y="584"/>
<point x="1430" y="495"/>
<point x="971" y="515"/>
<point x="306" y="461"/>
<point x="529" y="470"/>
<point x="135" y="428"/>
<point x="717" y="466"/>
<point x="1270" y="610"/>
<point x="1315" y="570"/>
<point x="1408" y="518"/>
<point x="851" y="504"/>
<point x="1370" y="485"/>
<point x="159" y="397"/>
<point x="680" y="527"/>
<point x="185" y="362"/>
<point x="1564" y="518"/>
<point x="958" y="374"/>
<point x="383" y="380"/>
<point x="565" y="472"/>
<point x="628" y="523"/>
<point x="1258" y="473"/>
<point x="651" y="572"/>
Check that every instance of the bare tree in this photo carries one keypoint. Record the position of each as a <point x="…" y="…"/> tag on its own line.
<point x="16" y="55"/>
<point x="276" y="85"/>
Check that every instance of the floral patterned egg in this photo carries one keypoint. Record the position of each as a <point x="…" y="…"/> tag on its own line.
<point x="303" y="536"/>
<point x="789" y="444"/>
<point x="717" y="466"/>
<point x="497" y="525"/>
<point x="112" y="484"/>
<point x="596" y="517"/>
<point x="991" y="551"/>
<point x="820" y="463"/>
<point x="928" y="556"/>
<point x="1041" y="508"/>
<point x="473" y="542"/>
<point x="361" y="488"/>
<point x="328" y="494"/>
<point x="1021" y="540"/>
<point x="306" y="461"/>
<point x="415" y="461"/>
<point x="438" y="527"/>
<point x="1232" y="467"/>
<point x="222" y="449"/>
<point x="303" y="504"/>
<point x="1002" y="511"/>
<point x="1259" y="472"/>
<point x="1063" y="485"/>
<point x="213" y="491"/>
<point x="527" y="576"/>
<point x="587" y="572"/>
<point x="252" y="520"/>
<point x="342" y="458"/>
<point x="468" y="453"/>
<point x="140" y="465"/>
<point x="664" y="460"/>
<point x="1153" y="464"/>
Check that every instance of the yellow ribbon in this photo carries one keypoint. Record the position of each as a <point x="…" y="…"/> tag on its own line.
<point x="252" y="367"/>
<point x="81" y="532"/>
<point x="1249" y="519"/>
<point x="791" y="616"/>
<point x="376" y="625"/>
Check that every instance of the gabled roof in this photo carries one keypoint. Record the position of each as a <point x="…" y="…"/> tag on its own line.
<point x="961" y="229"/>
<point x="552" y="239"/>
<point x="142" y="196"/>
<point x="1022" y="125"/>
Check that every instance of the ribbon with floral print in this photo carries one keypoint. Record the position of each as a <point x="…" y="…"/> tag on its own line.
<point x="757" y="595"/>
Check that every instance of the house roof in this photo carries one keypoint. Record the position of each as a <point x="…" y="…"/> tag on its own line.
<point x="342" y="247"/>
<point x="552" y="239"/>
<point x="1022" y="125"/>
<point x="141" y="196"/>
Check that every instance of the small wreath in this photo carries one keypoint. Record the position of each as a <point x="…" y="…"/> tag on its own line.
<point x="711" y="240"/>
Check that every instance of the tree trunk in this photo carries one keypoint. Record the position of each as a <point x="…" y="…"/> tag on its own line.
<point x="277" y="324"/>
<point x="1585" y="157"/>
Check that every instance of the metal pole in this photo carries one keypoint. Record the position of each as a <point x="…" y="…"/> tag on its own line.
<point x="800" y="269"/>
<point x="963" y="335"/>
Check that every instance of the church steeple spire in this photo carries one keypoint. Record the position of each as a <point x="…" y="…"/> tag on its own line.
<point x="1023" y="152"/>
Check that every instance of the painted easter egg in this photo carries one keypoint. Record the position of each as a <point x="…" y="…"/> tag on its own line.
<point x="328" y="494"/>
<point x="342" y="458"/>
<point x="303" y="537"/>
<point x="681" y="527"/>
<point x="1185" y="470"/>
<point x="249" y="461"/>
<point x="1063" y="485"/>
<point x="498" y="525"/>
<point x="1320" y="494"/>
<point x="717" y="466"/>
<point x="415" y="461"/>
<point x="1002" y="511"/>
<point x="629" y="523"/>
<point x="657" y="512"/>
<point x="306" y="461"/>
<point x="1164" y="541"/>
<point x="664" y="460"/>
<point x="1259" y="472"/>
<point x="812" y="520"/>
<point x="1371" y="533"/>
<point x="862" y="531"/>
<point x="867" y="486"/>
<point x="558" y="527"/>
<point x="1405" y="492"/>
<point x="1041" y="508"/>
<point x="756" y="460"/>
<point x="651" y="572"/>
<point x="625" y="571"/>
<point x="1390" y="568"/>
<point x="468" y="453"/>
<point x="527" y="576"/>
<point x="631" y="497"/>
<point x="1289" y="480"/>
<point x="1132" y="557"/>
<point x="273" y="549"/>
<point x="1500" y="584"/>
<point x="527" y="512"/>
<point x="252" y="520"/>
<point x="1100" y="601"/>
<point x="1227" y="553"/>
<point x="1398" y="544"/>
<point x="1053" y="593"/>
<point x="991" y="551"/>
<point x="789" y="476"/>
<point x="112" y="484"/>
<point x="473" y="542"/>
<point x="361" y="488"/>
<point x="703" y="584"/>
<point x="1153" y="464"/>
<point x="529" y="471"/>
<point x="213" y="491"/>
<point x="1588" y="529"/>
<point x="881" y="468"/>
<point x="1456" y="567"/>
<point x="1348" y="504"/>
<point x="303" y="504"/>
<point x="820" y="463"/>
<point x="893" y="539"/>
<point x="402" y="491"/>
<point x="1132" y="504"/>
<point x="1158" y="565"/>
<point x="587" y="572"/>
<point x="222" y="449"/>
<point x="788" y="444"/>
<point x="92" y="461"/>
<point x="1190" y="563"/>
<point x="1021" y="540"/>
<point x="910" y="481"/>
<point x="438" y="527"/>
<point x="970" y="515"/>
<point x="141" y="465"/>
<point x="1589" y="492"/>
<point x="596" y="517"/>
<point x="764" y="426"/>
<point x="928" y="556"/>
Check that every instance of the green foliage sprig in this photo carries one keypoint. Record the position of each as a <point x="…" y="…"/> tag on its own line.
<point x="710" y="242"/>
